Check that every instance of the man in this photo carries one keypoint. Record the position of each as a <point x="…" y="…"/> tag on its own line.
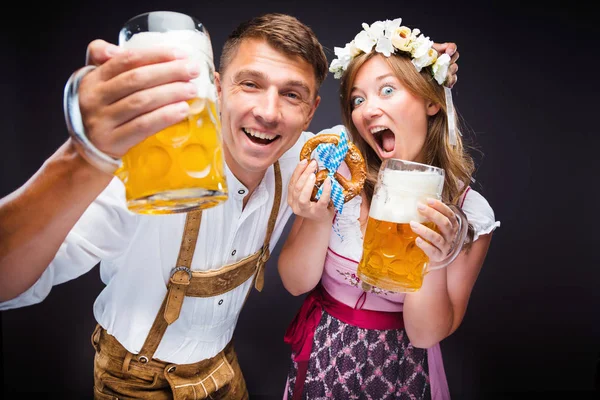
<point x="149" y="341"/>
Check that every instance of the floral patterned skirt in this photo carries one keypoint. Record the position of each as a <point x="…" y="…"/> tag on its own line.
<point x="348" y="362"/>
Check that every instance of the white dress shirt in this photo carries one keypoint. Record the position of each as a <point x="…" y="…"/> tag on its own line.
<point x="137" y="252"/>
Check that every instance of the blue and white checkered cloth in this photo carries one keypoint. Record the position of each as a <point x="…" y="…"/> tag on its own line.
<point x="332" y="156"/>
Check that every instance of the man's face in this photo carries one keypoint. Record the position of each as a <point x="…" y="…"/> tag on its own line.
<point x="267" y="99"/>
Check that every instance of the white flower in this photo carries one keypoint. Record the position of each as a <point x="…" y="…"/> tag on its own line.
<point x="370" y="35"/>
<point x="364" y="42"/>
<point x="415" y="33"/>
<point x="384" y="46"/>
<point x="336" y="68"/>
<point x="387" y="37"/>
<point x="353" y="50"/>
<point x="440" y="68"/>
<point x="342" y="51"/>
<point x="421" y="46"/>
<point x="344" y="56"/>
<point x="391" y="26"/>
<point x="425" y="60"/>
<point x="401" y="38"/>
<point x="339" y="65"/>
<point x="375" y="31"/>
<point x="384" y="39"/>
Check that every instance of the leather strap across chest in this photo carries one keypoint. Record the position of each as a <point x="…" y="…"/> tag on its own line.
<point x="185" y="282"/>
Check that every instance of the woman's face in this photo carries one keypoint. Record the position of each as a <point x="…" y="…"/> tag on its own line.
<point x="389" y="118"/>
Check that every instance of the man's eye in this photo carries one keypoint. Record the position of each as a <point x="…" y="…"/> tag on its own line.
<point x="249" y="84"/>
<point x="292" y="95"/>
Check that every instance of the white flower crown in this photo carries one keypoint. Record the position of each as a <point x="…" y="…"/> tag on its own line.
<point x="389" y="37"/>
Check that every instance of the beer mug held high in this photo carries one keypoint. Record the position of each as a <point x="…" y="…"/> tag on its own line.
<point x="391" y="259"/>
<point x="181" y="167"/>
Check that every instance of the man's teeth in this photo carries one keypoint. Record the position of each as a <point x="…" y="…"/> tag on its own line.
<point x="378" y="129"/>
<point x="259" y="134"/>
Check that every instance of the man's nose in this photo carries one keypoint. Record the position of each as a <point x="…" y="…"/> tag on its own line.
<point x="267" y="109"/>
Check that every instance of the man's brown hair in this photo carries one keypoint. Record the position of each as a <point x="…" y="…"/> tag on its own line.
<point x="284" y="33"/>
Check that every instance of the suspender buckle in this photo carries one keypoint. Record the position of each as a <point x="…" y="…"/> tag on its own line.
<point x="186" y="269"/>
<point x="176" y="293"/>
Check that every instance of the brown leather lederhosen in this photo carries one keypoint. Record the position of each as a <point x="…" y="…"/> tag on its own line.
<point x="120" y="374"/>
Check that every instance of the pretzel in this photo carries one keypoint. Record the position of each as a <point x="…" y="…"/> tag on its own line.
<point x="354" y="160"/>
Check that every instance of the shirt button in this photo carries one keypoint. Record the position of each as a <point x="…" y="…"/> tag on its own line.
<point x="233" y="253"/>
<point x="220" y="301"/>
<point x="241" y="191"/>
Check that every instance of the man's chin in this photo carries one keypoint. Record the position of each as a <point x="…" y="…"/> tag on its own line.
<point x="258" y="164"/>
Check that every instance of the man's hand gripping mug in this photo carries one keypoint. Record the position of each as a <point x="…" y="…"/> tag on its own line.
<point x="180" y="168"/>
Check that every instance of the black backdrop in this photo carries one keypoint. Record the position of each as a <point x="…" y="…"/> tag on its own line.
<point x="528" y="91"/>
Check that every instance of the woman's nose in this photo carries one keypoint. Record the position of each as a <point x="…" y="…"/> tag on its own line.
<point x="372" y="109"/>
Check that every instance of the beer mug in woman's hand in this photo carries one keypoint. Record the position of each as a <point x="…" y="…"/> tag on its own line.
<point x="181" y="167"/>
<point x="391" y="259"/>
<point x="439" y="243"/>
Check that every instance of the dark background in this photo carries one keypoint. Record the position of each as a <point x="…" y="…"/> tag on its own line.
<point x="528" y="90"/>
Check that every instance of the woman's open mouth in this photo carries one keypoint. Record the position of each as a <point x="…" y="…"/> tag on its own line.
<point x="385" y="139"/>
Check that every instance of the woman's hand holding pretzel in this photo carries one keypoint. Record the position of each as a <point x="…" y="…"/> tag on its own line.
<point x="300" y="191"/>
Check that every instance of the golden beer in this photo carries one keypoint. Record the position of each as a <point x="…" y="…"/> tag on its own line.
<point x="177" y="169"/>
<point x="391" y="259"/>
<point x="181" y="167"/>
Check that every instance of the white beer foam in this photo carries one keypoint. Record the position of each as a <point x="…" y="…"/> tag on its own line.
<point x="194" y="43"/>
<point x="397" y="197"/>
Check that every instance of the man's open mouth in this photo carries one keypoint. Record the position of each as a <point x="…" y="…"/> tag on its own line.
<point x="259" y="137"/>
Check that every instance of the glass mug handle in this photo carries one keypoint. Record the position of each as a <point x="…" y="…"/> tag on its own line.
<point x="463" y="227"/>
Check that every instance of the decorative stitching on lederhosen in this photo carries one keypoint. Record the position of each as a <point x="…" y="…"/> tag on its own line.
<point x="210" y="376"/>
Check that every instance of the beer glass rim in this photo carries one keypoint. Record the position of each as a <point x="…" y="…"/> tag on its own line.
<point x="416" y="166"/>
<point x="165" y="21"/>
<point x="172" y="21"/>
<point x="146" y="14"/>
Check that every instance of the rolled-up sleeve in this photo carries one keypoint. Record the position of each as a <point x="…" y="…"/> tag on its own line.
<point x="102" y="233"/>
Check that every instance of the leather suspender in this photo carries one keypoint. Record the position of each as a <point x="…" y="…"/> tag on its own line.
<point x="185" y="282"/>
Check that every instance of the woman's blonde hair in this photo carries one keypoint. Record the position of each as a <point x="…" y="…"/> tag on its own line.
<point x="455" y="160"/>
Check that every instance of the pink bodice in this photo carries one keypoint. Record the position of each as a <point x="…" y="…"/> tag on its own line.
<point x="340" y="280"/>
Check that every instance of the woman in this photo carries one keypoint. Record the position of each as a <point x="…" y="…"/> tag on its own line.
<point x="381" y="344"/>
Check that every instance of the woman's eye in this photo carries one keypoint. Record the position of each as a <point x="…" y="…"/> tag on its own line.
<point x="387" y="90"/>
<point x="357" y="101"/>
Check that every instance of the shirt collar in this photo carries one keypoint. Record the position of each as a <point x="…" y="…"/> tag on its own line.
<point x="237" y="190"/>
